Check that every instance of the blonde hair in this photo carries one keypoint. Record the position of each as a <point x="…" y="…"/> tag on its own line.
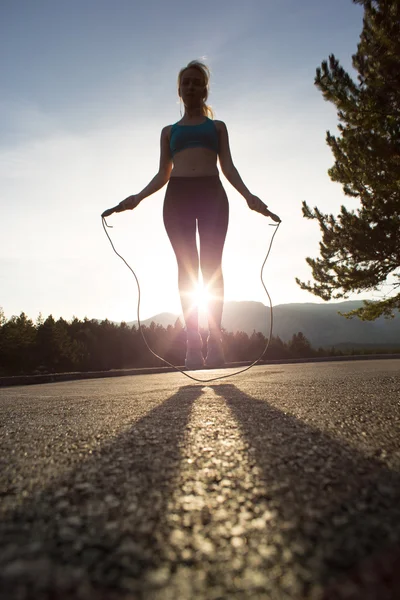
<point x="206" y="73"/>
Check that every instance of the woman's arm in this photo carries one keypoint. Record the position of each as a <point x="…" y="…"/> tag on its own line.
<point x="232" y="174"/>
<point x="159" y="180"/>
<point x="226" y="162"/>
<point x="164" y="170"/>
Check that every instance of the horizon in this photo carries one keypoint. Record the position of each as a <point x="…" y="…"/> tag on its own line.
<point x="81" y="118"/>
<point x="267" y="306"/>
<point x="320" y="323"/>
<point x="202" y="315"/>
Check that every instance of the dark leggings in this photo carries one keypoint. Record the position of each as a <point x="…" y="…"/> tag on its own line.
<point x="201" y="202"/>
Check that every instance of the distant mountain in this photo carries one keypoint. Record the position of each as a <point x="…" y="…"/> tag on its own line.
<point x="163" y="319"/>
<point x="320" y="323"/>
<point x="323" y="326"/>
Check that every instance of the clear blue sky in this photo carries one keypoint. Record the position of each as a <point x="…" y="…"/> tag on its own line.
<point x="87" y="87"/>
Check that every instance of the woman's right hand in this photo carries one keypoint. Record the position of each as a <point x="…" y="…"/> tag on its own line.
<point x="129" y="203"/>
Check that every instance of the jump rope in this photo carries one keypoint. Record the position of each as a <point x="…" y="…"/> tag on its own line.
<point x="267" y="213"/>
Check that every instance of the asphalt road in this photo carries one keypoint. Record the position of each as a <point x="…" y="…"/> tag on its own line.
<point x="283" y="482"/>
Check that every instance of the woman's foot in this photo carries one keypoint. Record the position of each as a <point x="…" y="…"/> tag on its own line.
<point x="194" y="356"/>
<point x="215" y="353"/>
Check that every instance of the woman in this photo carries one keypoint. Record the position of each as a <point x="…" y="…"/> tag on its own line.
<point x="195" y="197"/>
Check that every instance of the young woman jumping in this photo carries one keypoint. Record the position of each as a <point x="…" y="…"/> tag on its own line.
<point x="195" y="199"/>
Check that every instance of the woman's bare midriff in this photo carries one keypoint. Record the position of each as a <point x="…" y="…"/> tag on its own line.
<point x="194" y="162"/>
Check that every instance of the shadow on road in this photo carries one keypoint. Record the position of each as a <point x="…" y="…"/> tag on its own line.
<point x="105" y="525"/>
<point x="338" y="509"/>
<point x="106" y="517"/>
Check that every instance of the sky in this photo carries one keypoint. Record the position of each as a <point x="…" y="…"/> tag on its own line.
<point x="87" y="86"/>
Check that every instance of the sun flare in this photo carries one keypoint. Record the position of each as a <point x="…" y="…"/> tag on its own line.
<point x="201" y="298"/>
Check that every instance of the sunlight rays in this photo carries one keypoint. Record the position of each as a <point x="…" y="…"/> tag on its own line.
<point x="201" y="298"/>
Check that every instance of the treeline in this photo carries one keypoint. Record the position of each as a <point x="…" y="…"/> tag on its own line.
<point x="50" y="346"/>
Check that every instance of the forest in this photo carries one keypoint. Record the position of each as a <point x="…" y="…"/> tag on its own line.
<point x="60" y="346"/>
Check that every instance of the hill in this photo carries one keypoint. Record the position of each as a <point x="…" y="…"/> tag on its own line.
<point x="320" y="323"/>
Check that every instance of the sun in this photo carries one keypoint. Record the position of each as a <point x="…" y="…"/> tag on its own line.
<point x="201" y="298"/>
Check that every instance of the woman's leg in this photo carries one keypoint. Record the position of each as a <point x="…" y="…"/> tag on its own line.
<point x="213" y="225"/>
<point x="180" y="224"/>
<point x="188" y="273"/>
<point x="214" y="284"/>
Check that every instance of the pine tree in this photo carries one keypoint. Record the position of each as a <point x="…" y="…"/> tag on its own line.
<point x="360" y="250"/>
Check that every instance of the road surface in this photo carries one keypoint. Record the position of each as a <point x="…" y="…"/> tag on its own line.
<point x="281" y="483"/>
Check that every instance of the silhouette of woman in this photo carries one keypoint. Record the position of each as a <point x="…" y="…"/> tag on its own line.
<point x="195" y="198"/>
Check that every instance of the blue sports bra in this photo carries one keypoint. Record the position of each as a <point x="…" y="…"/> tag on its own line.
<point x="204" y="135"/>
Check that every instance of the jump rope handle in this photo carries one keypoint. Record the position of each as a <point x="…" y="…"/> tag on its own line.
<point x="268" y="213"/>
<point x="273" y="217"/>
<point x="112" y="210"/>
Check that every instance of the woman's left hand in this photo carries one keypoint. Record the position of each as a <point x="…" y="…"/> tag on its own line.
<point x="256" y="204"/>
